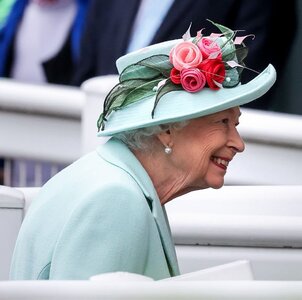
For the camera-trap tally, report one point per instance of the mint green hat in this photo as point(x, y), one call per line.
point(179, 80)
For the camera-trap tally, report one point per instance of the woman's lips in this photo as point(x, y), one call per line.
point(220, 162)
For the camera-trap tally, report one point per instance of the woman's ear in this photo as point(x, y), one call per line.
point(165, 138)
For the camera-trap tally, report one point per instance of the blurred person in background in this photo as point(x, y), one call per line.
point(5, 7)
point(39, 43)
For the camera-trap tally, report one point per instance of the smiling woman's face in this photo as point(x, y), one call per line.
point(203, 149)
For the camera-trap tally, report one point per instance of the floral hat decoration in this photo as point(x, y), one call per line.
point(187, 78)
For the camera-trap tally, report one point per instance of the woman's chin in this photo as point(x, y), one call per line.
point(217, 184)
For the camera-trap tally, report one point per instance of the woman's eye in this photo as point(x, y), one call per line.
point(225, 121)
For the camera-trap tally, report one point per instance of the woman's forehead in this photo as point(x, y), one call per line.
point(233, 111)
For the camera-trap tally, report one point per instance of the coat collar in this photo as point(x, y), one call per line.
point(117, 153)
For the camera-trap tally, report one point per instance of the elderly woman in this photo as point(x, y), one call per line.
point(172, 119)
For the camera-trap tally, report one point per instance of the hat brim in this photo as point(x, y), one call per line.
point(178, 106)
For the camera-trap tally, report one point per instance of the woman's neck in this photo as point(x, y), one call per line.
point(167, 180)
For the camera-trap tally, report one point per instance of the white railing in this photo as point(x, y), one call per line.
point(40, 122)
point(57, 124)
point(262, 224)
point(273, 153)
point(159, 290)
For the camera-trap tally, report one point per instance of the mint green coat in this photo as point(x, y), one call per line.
point(100, 214)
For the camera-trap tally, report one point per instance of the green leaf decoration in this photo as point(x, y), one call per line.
point(227, 32)
point(159, 62)
point(143, 91)
point(137, 71)
point(148, 68)
point(125, 93)
point(137, 82)
point(229, 54)
point(100, 122)
point(241, 53)
point(116, 97)
point(169, 86)
point(113, 98)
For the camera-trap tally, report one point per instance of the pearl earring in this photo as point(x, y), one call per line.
point(168, 150)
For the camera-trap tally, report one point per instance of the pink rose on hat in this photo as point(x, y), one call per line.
point(192, 80)
point(209, 48)
point(185, 55)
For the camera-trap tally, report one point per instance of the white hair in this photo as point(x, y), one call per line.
point(143, 138)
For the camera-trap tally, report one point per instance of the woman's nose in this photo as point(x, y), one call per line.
point(236, 142)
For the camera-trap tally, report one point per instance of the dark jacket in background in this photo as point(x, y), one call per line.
point(60, 68)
